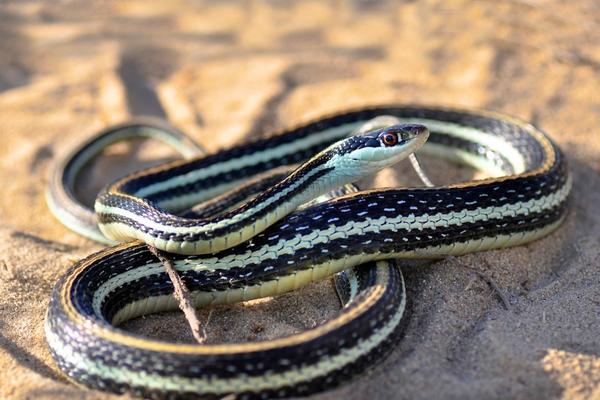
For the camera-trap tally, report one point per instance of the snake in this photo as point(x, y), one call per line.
point(234, 238)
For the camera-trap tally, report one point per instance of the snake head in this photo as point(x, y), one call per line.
point(386, 145)
point(368, 152)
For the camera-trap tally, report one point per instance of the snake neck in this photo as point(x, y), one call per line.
point(119, 211)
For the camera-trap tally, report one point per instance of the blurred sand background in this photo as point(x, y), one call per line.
point(229, 71)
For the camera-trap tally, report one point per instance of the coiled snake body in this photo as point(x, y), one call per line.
point(266, 246)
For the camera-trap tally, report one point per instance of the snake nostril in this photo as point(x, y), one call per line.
point(418, 130)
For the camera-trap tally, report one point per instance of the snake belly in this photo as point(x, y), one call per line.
point(525, 199)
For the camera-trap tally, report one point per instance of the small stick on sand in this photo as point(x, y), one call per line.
point(486, 279)
point(182, 295)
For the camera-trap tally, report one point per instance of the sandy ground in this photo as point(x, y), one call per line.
point(225, 73)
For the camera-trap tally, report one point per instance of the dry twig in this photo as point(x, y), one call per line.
point(182, 295)
point(499, 292)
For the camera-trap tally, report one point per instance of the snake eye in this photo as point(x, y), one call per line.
point(389, 139)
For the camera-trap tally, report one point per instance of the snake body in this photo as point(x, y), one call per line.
point(61, 197)
point(525, 199)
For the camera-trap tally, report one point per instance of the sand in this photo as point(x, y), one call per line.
point(237, 70)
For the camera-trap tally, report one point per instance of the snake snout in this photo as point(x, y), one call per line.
point(411, 131)
point(419, 130)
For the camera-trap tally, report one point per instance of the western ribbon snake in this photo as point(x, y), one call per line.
point(231, 249)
